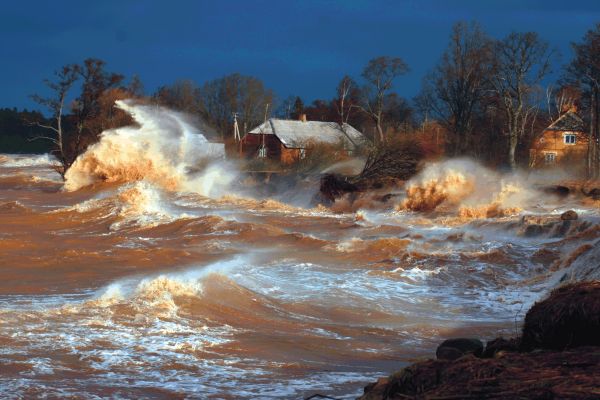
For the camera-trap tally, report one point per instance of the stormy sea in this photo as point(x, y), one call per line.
point(152, 272)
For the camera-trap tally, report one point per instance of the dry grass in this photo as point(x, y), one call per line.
point(573, 374)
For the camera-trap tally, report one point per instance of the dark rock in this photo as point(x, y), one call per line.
point(452, 349)
point(593, 193)
point(569, 317)
point(561, 229)
point(387, 197)
point(334, 186)
point(569, 216)
point(376, 389)
point(448, 353)
point(533, 230)
point(557, 190)
point(498, 345)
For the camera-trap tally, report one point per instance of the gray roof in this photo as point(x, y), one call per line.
point(570, 121)
point(298, 134)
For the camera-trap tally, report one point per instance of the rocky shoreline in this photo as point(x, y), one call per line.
point(556, 357)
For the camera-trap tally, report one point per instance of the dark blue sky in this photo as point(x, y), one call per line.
point(295, 47)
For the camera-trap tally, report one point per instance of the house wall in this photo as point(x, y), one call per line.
point(275, 149)
point(572, 156)
point(289, 156)
point(251, 143)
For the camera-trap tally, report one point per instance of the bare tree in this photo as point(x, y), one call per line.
point(456, 88)
point(346, 99)
point(584, 72)
point(244, 95)
point(560, 100)
point(521, 61)
point(183, 95)
point(95, 81)
point(65, 78)
point(136, 86)
point(380, 73)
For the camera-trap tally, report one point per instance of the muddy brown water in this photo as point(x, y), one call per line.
point(128, 291)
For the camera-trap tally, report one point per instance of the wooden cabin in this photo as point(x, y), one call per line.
point(289, 141)
point(564, 143)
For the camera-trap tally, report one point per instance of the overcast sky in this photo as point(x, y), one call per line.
point(296, 47)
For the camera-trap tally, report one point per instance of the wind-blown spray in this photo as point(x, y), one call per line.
point(469, 188)
point(163, 149)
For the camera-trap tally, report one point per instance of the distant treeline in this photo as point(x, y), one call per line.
point(486, 98)
point(16, 134)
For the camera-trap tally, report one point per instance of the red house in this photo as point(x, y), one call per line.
point(564, 143)
point(288, 141)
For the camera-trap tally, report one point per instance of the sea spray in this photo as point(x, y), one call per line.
point(467, 187)
point(163, 149)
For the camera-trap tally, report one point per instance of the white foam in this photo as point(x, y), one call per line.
point(164, 149)
point(27, 160)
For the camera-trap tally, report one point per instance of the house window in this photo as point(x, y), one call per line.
point(302, 154)
point(570, 138)
point(262, 152)
point(550, 158)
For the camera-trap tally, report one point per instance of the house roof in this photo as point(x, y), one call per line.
point(570, 121)
point(298, 134)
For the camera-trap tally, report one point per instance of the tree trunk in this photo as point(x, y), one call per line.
point(594, 144)
point(593, 164)
point(512, 150)
point(380, 131)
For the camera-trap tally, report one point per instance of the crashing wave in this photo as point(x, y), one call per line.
point(163, 149)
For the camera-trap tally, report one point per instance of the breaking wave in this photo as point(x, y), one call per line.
point(163, 149)
point(467, 187)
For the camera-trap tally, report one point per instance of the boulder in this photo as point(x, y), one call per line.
point(569, 216)
point(533, 230)
point(569, 317)
point(498, 345)
point(452, 349)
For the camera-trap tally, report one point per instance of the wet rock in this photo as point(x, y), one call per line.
point(593, 193)
point(561, 229)
point(452, 349)
point(557, 190)
point(569, 317)
point(376, 390)
point(387, 197)
point(448, 353)
point(499, 346)
point(334, 186)
point(533, 230)
point(569, 216)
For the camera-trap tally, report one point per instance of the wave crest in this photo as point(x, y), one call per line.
point(163, 149)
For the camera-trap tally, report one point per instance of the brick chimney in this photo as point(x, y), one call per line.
point(302, 118)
